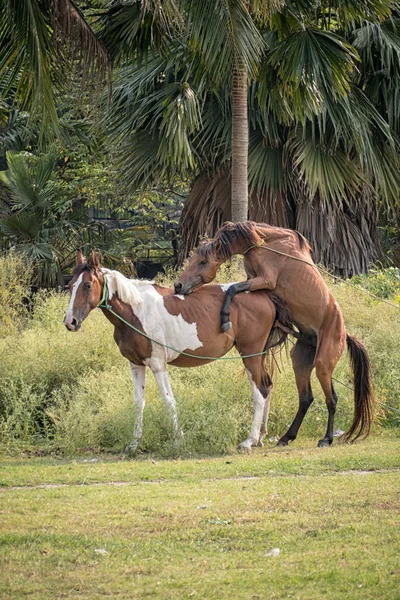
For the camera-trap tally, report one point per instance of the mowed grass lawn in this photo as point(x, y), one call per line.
point(205, 528)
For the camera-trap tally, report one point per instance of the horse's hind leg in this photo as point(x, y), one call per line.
point(302, 355)
point(261, 387)
point(264, 422)
point(324, 365)
point(330, 348)
point(331, 401)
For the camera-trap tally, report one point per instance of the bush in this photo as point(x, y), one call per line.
point(15, 283)
point(73, 391)
point(384, 283)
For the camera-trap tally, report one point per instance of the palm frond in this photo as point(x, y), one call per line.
point(30, 60)
point(29, 187)
point(134, 29)
point(25, 53)
point(267, 169)
point(355, 11)
point(331, 175)
point(67, 19)
point(316, 64)
point(224, 34)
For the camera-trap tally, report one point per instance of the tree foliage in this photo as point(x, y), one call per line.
point(323, 108)
point(323, 150)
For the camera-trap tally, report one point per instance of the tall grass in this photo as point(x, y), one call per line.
point(15, 280)
point(63, 391)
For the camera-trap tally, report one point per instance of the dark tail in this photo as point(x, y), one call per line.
point(278, 335)
point(363, 395)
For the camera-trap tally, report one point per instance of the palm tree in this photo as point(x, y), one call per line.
point(231, 45)
point(222, 35)
point(224, 32)
point(322, 146)
point(323, 154)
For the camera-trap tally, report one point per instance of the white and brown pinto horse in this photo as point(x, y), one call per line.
point(188, 324)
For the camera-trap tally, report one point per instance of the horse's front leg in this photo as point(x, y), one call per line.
point(139, 378)
point(234, 289)
point(251, 285)
point(164, 385)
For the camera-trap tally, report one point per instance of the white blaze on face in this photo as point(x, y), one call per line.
point(70, 311)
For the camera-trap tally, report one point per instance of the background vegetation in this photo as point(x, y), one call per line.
point(64, 392)
point(322, 83)
point(80, 170)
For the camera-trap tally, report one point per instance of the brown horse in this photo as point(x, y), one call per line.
point(280, 260)
point(188, 330)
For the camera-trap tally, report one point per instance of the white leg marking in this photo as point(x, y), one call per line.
point(70, 311)
point(264, 424)
point(138, 377)
point(259, 404)
point(164, 386)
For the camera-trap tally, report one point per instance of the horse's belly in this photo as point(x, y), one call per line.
point(213, 349)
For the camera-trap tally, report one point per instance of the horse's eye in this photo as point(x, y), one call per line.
point(203, 262)
point(88, 286)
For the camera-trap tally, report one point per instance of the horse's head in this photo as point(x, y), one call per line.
point(202, 268)
point(86, 289)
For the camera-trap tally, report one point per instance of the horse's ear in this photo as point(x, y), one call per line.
point(80, 259)
point(94, 260)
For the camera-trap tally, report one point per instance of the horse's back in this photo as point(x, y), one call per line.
point(252, 314)
point(252, 317)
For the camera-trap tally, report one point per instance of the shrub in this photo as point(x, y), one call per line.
point(384, 283)
point(15, 282)
point(74, 390)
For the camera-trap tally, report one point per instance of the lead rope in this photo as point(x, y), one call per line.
point(107, 306)
point(323, 270)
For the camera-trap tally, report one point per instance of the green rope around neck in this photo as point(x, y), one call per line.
point(105, 305)
point(322, 269)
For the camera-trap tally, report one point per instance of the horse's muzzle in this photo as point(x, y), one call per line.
point(72, 324)
point(178, 288)
point(187, 288)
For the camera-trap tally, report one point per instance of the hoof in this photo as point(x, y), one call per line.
point(283, 442)
point(245, 446)
point(324, 443)
point(260, 444)
point(226, 326)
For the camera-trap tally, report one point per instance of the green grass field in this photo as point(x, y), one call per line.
point(208, 528)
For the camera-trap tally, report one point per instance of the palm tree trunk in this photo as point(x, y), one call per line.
point(240, 145)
